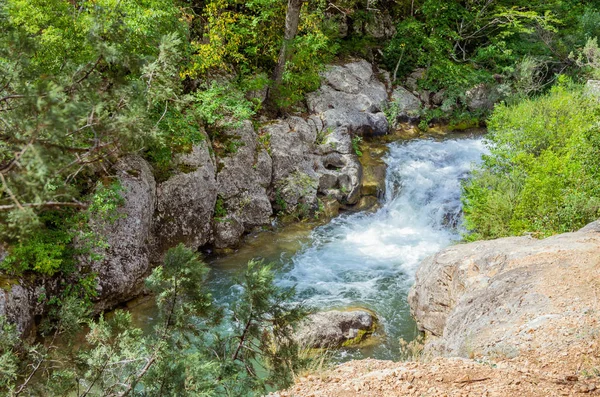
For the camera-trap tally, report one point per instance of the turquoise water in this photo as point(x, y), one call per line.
point(370, 259)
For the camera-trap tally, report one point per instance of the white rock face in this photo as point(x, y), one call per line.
point(509, 296)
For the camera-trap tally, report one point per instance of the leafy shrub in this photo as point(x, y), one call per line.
point(540, 177)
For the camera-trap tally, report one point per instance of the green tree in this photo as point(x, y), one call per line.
point(540, 177)
point(196, 348)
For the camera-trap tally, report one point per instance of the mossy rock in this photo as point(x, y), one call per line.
point(337, 328)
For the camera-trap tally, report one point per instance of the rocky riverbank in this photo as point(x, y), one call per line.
point(227, 187)
point(509, 317)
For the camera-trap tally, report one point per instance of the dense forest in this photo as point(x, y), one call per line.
point(84, 83)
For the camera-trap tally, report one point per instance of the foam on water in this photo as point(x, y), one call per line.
point(369, 260)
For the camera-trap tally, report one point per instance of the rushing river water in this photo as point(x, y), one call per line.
point(370, 259)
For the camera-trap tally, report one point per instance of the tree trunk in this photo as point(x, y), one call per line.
point(292, 19)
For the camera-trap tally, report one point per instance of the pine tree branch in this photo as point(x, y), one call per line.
point(49, 204)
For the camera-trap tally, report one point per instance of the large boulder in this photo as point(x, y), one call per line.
point(351, 96)
point(243, 183)
point(126, 261)
point(186, 201)
point(511, 297)
point(335, 328)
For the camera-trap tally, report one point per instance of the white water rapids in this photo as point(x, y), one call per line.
point(370, 259)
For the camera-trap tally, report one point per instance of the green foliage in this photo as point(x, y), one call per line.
point(588, 58)
point(9, 360)
point(222, 105)
point(220, 210)
point(311, 50)
point(458, 45)
point(194, 349)
point(540, 177)
point(322, 135)
point(265, 141)
point(49, 248)
point(79, 88)
point(356, 141)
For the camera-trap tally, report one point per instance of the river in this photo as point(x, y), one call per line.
point(369, 259)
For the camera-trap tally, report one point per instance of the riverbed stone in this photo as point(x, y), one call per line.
point(336, 328)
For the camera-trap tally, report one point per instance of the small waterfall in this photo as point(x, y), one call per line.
point(369, 259)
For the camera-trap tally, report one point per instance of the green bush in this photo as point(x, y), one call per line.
point(541, 176)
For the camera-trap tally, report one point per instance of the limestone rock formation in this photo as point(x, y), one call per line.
point(351, 96)
point(186, 201)
point(242, 187)
point(336, 328)
point(126, 261)
point(510, 297)
point(406, 106)
point(309, 160)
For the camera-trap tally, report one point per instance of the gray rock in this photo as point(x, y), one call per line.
point(485, 298)
point(336, 328)
point(351, 97)
point(18, 305)
point(186, 201)
point(382, 26)
point(439, 97)
point(126, 261)
point(357, 123)
point(480, 97)
point(412, 81)
point(592, 88)
point(303, 169)
point(243, 183)
point(405, 105)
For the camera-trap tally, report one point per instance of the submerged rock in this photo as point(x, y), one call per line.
point(336, 328)
point(510, 297)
